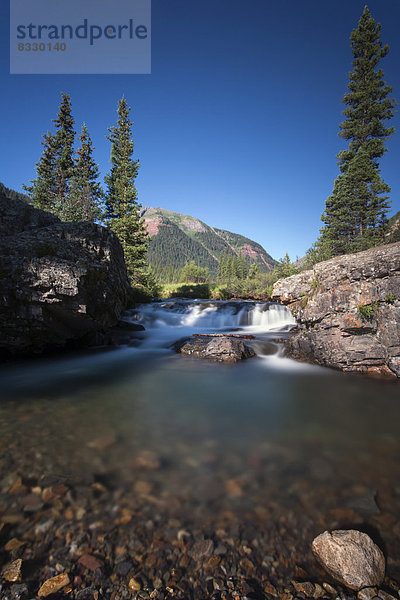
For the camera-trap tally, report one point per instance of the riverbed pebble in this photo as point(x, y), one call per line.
point(350, 557)
point(367, 593)
point(53, 585)
point(184, 515)
point(12, 570)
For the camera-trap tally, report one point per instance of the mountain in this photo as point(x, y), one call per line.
point(177, 239)
point(393, 234)
point(9, 193)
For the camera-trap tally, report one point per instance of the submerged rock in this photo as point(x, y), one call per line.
point(348, 312)
point(59, 282)
point(202, 549)
point(219, 349)
point(350, 557)
point(367, 593)
point(124, 332)
point(12, 571)
point(53, 585)
point(129, 326)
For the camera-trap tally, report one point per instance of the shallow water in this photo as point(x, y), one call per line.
point(268, 440)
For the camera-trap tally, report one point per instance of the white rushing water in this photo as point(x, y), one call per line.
point(169, 321)
point(253, 316)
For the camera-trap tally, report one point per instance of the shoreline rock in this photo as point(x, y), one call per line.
point(348, 312)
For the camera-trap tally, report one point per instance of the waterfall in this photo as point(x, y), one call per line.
point(205, 315)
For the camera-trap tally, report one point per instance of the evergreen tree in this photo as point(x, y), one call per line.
point(122, 208)
point(339, 217)
point(319, 251)
point(254, 271)
point(225, 268)
point(356, 210)
point(230, 268)
point(63, 161)
point(285, 268)
point(241, 266)
point(191, 273)
point(367, 99)
point(42, 189)
point(222, 267)
point(50, 189)
point(86, 192)
point(151, 282)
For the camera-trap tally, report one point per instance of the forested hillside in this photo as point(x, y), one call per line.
point(394, 228)
point(177, 239)
point(9, 193)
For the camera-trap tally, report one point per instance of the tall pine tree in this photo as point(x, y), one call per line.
point(64, 159)
point(86, 192)
point(367, 99)
point(222, 267)
point(254, 271)
point(241, 266)
point(357, 208)
point(122, 208)
point(50, 190)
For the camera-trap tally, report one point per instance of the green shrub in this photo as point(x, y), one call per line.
point(368, 311)
point(315, 284)
point(189, 290)
point(220, 292)
point(195, 290)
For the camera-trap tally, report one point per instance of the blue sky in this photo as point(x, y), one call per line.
point(238, 122)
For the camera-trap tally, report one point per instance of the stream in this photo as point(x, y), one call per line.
point(151, 446)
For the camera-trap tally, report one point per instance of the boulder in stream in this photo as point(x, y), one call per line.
point(218, 349)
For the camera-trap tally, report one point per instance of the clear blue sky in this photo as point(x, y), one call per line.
point(238, 122)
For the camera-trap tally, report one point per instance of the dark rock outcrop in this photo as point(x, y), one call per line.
point(59, 282)
point(348, 311)
point(17, 216)
point(219, 349)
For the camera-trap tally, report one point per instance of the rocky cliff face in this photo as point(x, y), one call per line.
point(59, 282)
point(348, 311)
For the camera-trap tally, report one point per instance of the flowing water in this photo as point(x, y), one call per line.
point(268, 451)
